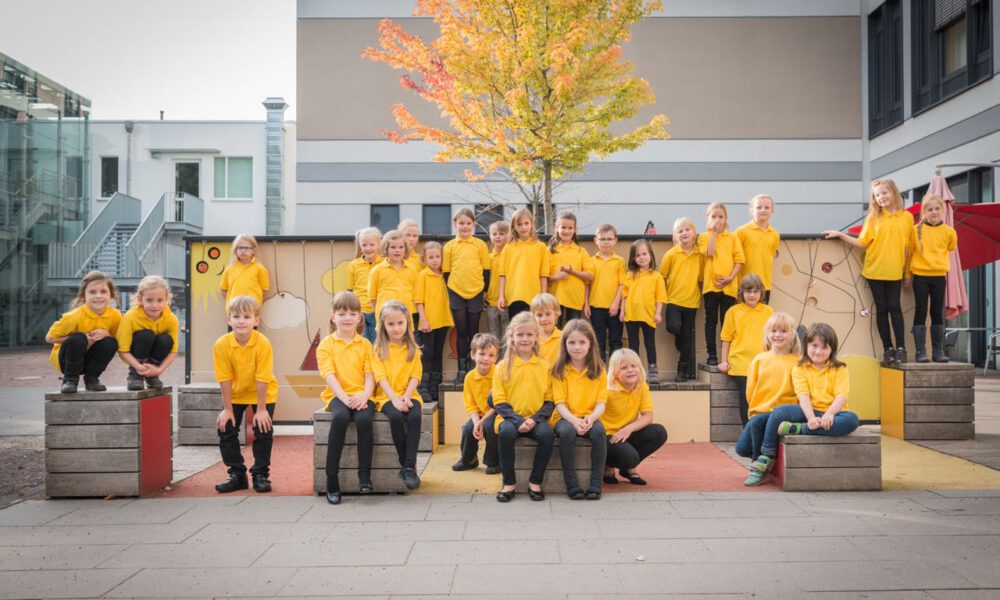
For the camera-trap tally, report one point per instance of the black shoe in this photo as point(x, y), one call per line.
point(633, 478)
point(366, 488)
point(503, 496)
point(575, 493)
point(410, 478)
point(713, 360)
point(901, 355)
point(154, 383)
point(536, 496)
point(592, 494)
point(135, 382)
point(236, 481)
point(69, 385)
point(889, 356)
point(261, 483)
point(333, 497)
point(610, 479)
point(93, 384)
point(492, 470)
point(461, 465)
point(682, 375)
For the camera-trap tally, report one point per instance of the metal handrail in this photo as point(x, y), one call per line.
point(145, 236)
point(189, 209)
point(119, 209)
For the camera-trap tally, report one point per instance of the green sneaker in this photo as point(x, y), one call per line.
point(763, 464)
point(789, 428)
point(754, 478)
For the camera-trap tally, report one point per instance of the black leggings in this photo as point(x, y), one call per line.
point(229, 444)
point(932, 287)
point(405, 429)
point(608, 329)
point(542, 433)
point(465, 312)
point(716, 306)
point(648, 335)
point(741, 389)
point(148, 345)
point(517, 307)
point(598, 453)
point(75, 358)
point(338, 435)
point(886, 295)
point(567, 314)
point(432, 346)
point(680, 322)
point(627, 455)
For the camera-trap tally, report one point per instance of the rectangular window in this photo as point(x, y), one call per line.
point(234, 177)
point(952, 48)
point(109, 176)
point(436, 219)
point(885, 67)
point(384, 216)
point(486, 215)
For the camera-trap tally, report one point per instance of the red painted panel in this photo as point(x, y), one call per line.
point(778, 472)
point(156, 448)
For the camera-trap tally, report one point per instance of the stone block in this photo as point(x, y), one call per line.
point(200, 401)
point(725, 433)
point(824, 463)
point(91, 412)
point(939, 431)
point(92, 461)
point(91, 485)
point(945, 413)
point(833, 455)
point(949, 396)
point(833, 480)
point(724, 398)
point(726, 416)
point(91, 436)
point(197, 418)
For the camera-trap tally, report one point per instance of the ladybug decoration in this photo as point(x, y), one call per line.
point(827, 267)
point(202, 266)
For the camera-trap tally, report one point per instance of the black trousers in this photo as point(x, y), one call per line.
point(598, 453)
point(517, 307)
point(76, 359)
point(466, 313)
point(716, 306)
point(887, 309)
point(229, 444)
point(608, 329)
point(567, 314)
point(741, 389)
point(405, 428)
point(680, 323)
point(432, 348)
point(542, 433)
point(628, 454)
point(925, 288)
point(338, 435)
point(148, 345)
point(470, 445)
point(767, 297)
point(648, 338)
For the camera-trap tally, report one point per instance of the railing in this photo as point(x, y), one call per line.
point(119, 209)
point(67, 260)
point(188, 209)
point(141, 241)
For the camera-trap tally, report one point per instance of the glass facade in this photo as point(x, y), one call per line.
point(44, 194)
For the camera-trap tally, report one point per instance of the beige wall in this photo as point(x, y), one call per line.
point(724, 78)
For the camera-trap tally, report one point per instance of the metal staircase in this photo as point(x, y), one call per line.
point(110, 256)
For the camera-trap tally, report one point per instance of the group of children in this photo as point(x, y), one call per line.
point(388, 332)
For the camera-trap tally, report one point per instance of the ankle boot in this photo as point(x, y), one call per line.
point(652, 377)
point(463, 369)
point(92, 383)
point(423, 388)
point(69, 385)
point(261, 484)
point(433, 386)
point(135, 382)
point(937, 344)
point(153, 382)
point(236, 481)
point(920, 340)
point(682, 369)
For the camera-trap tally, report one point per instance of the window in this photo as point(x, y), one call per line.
point(952, 48)
point(486, 215)
point(109, 176)
point(885, 67)
point(234, 177)
point(436, 219)
point(187, 178)
point(384, 216)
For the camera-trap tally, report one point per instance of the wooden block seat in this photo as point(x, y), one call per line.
point(524, 453)
point(385, 461)
point(113, 443)
point(198, 406)
point(937, 401)
point(724, 400)
point(809, 463)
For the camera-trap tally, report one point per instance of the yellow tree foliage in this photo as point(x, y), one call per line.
point(529, 86)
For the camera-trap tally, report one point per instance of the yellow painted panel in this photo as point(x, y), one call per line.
point(434, 430)
point(865, 388)
point(454, 416)
point(907, 466)
point(892, 402)
point(685, 414)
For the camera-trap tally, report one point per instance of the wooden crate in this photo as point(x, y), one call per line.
point(825, 463)
point(929, 401)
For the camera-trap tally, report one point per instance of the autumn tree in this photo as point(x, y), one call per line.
point(531, 87)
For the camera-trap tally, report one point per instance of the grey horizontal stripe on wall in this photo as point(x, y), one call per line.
point(953, 136)
point(625, 171)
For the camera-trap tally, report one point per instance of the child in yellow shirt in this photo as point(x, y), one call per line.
point(393, 278)
point(931, 243)
point(743, 335)
point(244, 368)
point(396, 369)
point(545, 309)
point(524, 265)
point(148, 334)
point(482, 417)
point(411, 233)
point(496, 317)
point(366, 243)
point(723, 260)
point(628, 419)
point(83, 339)
point(431, 298)
point(571, 270)
point(345, 363)
point(245, 275)
point(681, 267)
point(644, 295)
point(466, 267)
point(760, 242)
point(605, 299)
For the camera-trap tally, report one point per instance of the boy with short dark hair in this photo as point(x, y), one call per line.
point(475, 393)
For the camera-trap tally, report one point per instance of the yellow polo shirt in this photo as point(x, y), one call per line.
point(527, 389)
point(386, 282)
point(759, 248)
point(930, 252)
point(682, 270)
point(432, 293)
point(466, 260)
point(493, 292)
point(822, 385)
point(769, 382)
point(728, 253)
point(885, 239)
point(578, 392)
point(414, 261)
point(476, 391)
point(642, 290)
point(743, 328)
point(357, 280)
point(609, 273)
point(245, 366)
point(349, 362)
point(82, 320)
point(523, 264)
point(548, 348)
point(398, 371)
point(136, 320)
point(245, 280)
point(624, 406)
point(570, 291)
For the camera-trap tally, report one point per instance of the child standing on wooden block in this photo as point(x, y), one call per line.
point(147, 337)
point(760, 242)
point(482, 417)
point(545, 309)
point(244, 368)
point(244, 275)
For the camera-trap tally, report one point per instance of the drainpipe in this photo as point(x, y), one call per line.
point(273, 152)
point(129, 126)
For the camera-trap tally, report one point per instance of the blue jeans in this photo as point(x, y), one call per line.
point(844, 423)
point(752, 437)
point(370, 330)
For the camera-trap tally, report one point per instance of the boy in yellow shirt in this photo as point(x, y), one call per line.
point(760, 242)
point(482, 417)
point(244, 368)
point(606, 292)
point(545, 309)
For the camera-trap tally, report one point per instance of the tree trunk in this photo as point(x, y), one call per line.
point(547, 207)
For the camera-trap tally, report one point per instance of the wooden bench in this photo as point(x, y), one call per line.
point(812, 463)
point(385, 460)
point(198, 406)
point(725, 425)
point(113, 443)
point(553, 483)
point(929, 401)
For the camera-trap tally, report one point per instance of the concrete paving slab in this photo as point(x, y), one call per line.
point(781, 549)
point(566, 579)
point(662, 597)
point(760, 508)
point(867, 595)
point(636, 509)
point(709, 578)
point(395, 531)
point(887, 575)
point(34, 512)
point(965, 506)
point(274, 533)
point(476, 597)
point(529, 530)
point(339, 554)
point(186, 583)
point(74, 583)
point(520, 509)
point(982, 573)
point(494, 552)
point(968, 493)
point(361, 581)
point(282, 509)
point(596, 551)
point(817, 526)
point(172, 533)
point(860, 505)
point(930, 547)
point(932, 524)
point(357, 508)
point(667, 528)
point(144, 511)
point(986, 594)
point(189, 555)
point(30, 558)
